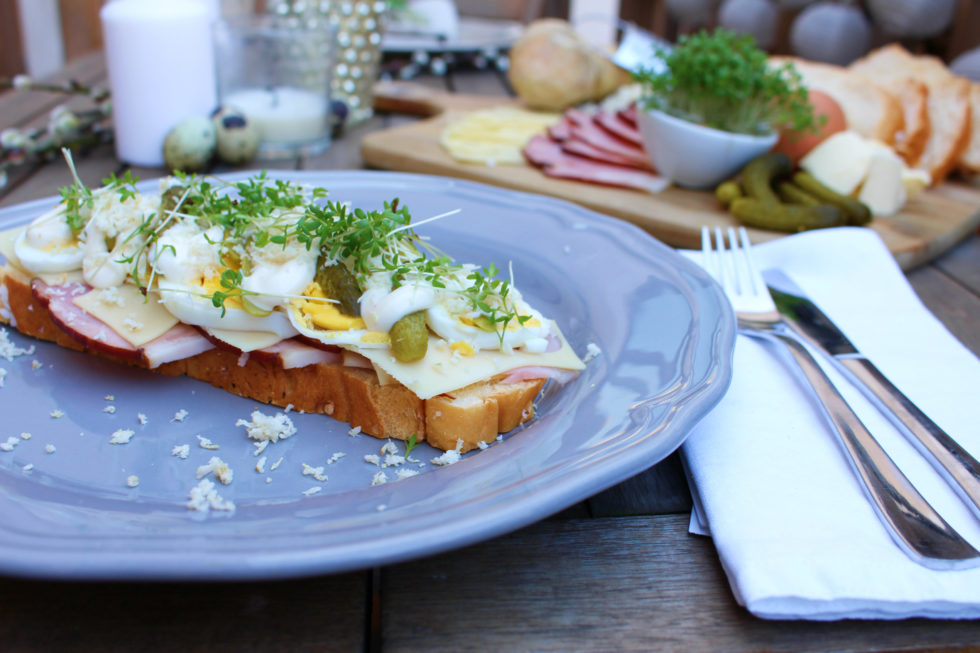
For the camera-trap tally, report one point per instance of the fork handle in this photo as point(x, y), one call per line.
point(914, 525)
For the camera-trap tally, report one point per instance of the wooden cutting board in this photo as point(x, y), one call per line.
point(927, 226)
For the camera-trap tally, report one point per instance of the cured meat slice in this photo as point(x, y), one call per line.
point(583, 148)
point(555, 162)
point(180, 342)
point(561, 131)
point(292, 353)
point(90, 331)
point(586, 129)
point(618, 126)
point(537, 372)
point(629, 115)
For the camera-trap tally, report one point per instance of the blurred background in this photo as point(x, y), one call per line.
point(40, 36)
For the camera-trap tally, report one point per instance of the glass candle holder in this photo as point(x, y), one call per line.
point(278, 72)
point(360, 27)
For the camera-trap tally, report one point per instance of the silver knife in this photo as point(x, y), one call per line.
point(960, 470)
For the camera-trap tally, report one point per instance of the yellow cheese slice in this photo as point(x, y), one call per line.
point(494, 136)
point(246, 340)
point(444, 369)
point(136, 318)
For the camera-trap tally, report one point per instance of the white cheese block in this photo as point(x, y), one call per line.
point(246, 340)
point(840, 162)
point(882, 191)
point(136, 318)
point(443, 369)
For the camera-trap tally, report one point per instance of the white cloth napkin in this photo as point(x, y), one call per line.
point(796, 536)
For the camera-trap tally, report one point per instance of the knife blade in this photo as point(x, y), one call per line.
point(957, 467)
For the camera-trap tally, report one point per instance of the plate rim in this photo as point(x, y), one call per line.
point(398, 547)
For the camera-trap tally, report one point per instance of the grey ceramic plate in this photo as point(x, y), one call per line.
point(666, 338)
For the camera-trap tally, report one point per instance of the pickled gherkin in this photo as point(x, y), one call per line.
point(337, 282)
point(409, 337)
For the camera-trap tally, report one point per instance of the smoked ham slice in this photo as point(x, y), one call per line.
point(548, 155)
point(89, 331)
point(584, 127)
point(180, 342)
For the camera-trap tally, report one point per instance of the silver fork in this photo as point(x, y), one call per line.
point(913, 524)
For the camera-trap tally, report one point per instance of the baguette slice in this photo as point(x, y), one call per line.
point(461, 420)
point(970, 160)
point(948, 104)
point(868, 109)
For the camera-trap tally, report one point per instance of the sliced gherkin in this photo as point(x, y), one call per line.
point(337, 282)
point(409, 337)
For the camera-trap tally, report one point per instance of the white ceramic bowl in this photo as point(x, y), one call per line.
point(695, 156)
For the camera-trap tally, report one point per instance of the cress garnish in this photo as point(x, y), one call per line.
point(263, 212)
point(723, 80)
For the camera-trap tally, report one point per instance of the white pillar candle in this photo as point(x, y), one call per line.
point(161, 71)
point(283, 114)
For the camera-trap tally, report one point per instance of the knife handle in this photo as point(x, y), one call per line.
point(913, 524)
point(955, 464)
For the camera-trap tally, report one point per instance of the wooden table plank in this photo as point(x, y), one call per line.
point(317, 614)
point(19, 107)
point(637, 583)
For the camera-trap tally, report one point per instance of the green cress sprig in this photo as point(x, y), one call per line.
point(270, 212)
point(723, 80)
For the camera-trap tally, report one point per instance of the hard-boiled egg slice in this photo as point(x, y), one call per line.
point(48, 245)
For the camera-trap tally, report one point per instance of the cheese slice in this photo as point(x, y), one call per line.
point(841, 162)
point(137, 319)
point(883, 191)
point(246, 340)
point(443, 370)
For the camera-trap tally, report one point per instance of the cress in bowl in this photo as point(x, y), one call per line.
point(713, 102)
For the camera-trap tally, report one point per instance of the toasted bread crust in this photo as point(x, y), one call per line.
point(348, 394)
point(869, 109)
point(947, 103)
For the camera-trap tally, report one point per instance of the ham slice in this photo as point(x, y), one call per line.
point(629, 115)
point(585, 128)
point(526, 373)
point(180, 342)
point(561, 131)
point(293, 353)
point(618, 126)
point(589, 151)
point(548, 155)
point(90, 331)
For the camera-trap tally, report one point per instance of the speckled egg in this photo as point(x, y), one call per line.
point(190, 145)
point(238, 138)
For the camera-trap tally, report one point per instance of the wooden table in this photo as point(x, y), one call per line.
point(618, 571)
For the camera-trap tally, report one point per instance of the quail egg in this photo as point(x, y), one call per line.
point(190, 145)
point(238, 138)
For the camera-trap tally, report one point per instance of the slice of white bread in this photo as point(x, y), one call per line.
point(948, 103)
point(461, 420)
point(911, 140)
point(869, 110)
point(970, 160)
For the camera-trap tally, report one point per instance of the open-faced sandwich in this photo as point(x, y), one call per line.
point(268, 290)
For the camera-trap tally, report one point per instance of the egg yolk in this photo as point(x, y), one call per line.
point(326, 315)
point(213, 285)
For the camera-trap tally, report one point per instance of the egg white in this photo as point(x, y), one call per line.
point(186, 259)
point(49, 246)
point(450, 327)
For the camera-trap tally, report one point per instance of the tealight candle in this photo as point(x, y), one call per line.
point(283, 114)
point(277, 72)
point(160, 62)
